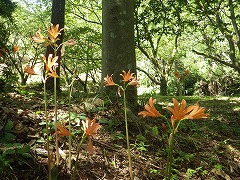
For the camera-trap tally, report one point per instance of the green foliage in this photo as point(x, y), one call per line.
point(155, 171)
point(6, 8)
point(84, 26)
point(191, 172)
point(111, 124)
point(7, 135)
point(11, 153)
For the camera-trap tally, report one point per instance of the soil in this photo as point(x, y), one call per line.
point(201, 156)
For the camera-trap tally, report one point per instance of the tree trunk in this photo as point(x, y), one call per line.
point(163, 86)
point(58, 8)
point(118, 47)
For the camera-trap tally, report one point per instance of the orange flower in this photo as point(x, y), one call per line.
point(150, 109)
point(3, 52)
point(30, 70)
point(187, 72)
point(53, 74)
point(181, 112)
point(198, 112)
point(108, 81)
point(54, 31)
point(38, 37)
point(127, 76)
point(70, 42)
point(164, 127)
point(16, 48)
point(191, 112)
point(90, 128)
point(177, 75)
point(51, 62)
point(61, 130)
point(134, 82)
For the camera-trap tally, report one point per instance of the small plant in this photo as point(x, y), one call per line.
point(178, 115)
point(129, 79)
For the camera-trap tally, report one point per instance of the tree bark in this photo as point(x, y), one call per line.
point(58, 9)
point(163, 86)
point(118, 47)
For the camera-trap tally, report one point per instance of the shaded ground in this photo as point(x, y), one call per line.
point(204, 149)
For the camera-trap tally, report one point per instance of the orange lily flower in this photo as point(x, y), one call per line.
point(90, 129)
point(38, 37)
point(30, 70)
point(181, 112)
point(187, 72)
point(61, 130)
point(191, 112)
point(177, 75)
point(150, 109)
point(51, 62)
point(53, 74)
point(134, 82)
point(3, 51)
point(198, 112)
point(108, 81)
point(70, 42)
point(54, 31)
point(127, 76)
point(16, 48)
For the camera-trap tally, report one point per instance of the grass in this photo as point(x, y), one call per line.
point(202, 146)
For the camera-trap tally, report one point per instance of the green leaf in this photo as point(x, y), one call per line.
point(27, 155)
point(7, 138)
point(141, 137)
point(8, 126)
point(97, 109)
point(10, 151)
point(24, 149)
point(154, 131)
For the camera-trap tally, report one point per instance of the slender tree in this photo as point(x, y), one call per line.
point(58, 7)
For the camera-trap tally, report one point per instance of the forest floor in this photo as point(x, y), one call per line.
point(204, 149)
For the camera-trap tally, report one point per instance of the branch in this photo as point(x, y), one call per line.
point(149, 76)
point(71, 72)
point(83, 18)
point(236, 67)
point(234, 23)
point(223, 30)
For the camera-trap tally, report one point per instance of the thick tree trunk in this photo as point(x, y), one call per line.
point(118, 47)
point(58, 8)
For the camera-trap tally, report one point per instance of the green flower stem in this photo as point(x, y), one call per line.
point(47, 128)
point(70, 126)
point(170, 157)
point(127, 137)
point(78, 152)
point(55, 121)
point(170, 151)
